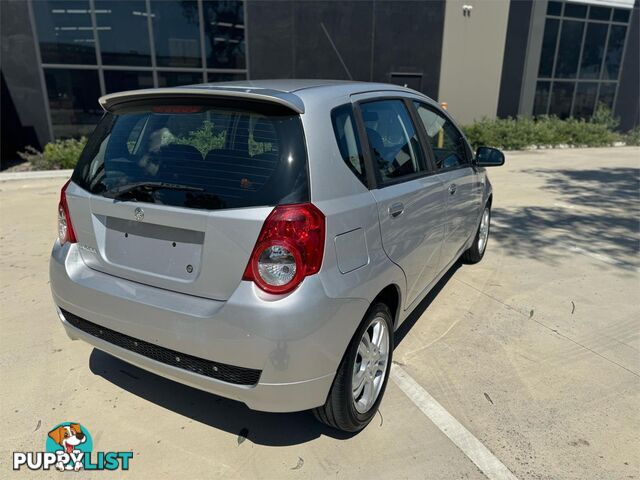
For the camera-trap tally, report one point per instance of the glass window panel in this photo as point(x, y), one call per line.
point(224, 34)
point(176, 33)
point(575, 10)
point(585, 99)
point(561, 96)
point(447, 144)
point(569, 49)
point(593, 50)
point(620, 15)
point(554, 8)
point(346, 132)
point(176, 79)
point(65, 32)
point(614, 52)
point(73, 101)
point(600, 13)
point(548, 47)
point(393, 142)
point(225, 77)
point(607, 92)
point(120, 80)
point(541, 100)
point(123, 32)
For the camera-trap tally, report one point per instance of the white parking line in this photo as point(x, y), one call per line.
point(486, 461)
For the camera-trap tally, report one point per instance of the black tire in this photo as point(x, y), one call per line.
point(474, 254)
point(339, 410)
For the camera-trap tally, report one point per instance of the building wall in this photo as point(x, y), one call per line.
point(21, 77)
point(514, 58)
point(386, 41)
point(472, 56)
point(576, 53)
point(628, 103)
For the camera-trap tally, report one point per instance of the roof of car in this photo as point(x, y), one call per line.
point(288, 92)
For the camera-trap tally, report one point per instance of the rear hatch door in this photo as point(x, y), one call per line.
point(173, 192)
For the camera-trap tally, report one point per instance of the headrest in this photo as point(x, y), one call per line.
point(263, 131)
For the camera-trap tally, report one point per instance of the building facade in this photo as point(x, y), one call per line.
point(484, 58)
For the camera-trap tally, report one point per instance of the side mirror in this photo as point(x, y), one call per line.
point(489, 157)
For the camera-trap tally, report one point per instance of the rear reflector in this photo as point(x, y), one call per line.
point(289, 248)
point(65, 227)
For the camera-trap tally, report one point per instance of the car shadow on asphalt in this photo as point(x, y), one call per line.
point(423, 306)
point(273, 429)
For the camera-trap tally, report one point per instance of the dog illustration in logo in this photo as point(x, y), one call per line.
point(68, 437)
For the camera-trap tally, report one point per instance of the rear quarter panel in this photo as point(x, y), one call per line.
point(348, 205)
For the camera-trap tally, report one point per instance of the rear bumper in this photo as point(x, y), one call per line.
point(296, 342)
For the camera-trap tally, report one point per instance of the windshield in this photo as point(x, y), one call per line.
point(197, 156)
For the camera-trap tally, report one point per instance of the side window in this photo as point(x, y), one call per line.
point(448, 144)
point(394, 144)
point(344, 127)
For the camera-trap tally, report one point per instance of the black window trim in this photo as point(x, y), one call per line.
point(373, 173)
point(468, 150)
point(365, 181)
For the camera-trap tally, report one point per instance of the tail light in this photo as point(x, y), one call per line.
point(289, 248)
point(65, 227)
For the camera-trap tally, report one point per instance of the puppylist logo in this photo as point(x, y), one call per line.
point(70, 447)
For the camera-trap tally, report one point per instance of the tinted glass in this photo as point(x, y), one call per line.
point(215, 156)
point(176, 33)
point(614, 52)
point(65, 32)
point(393, 142)
point(548, 47)
point(176, 79)
point(607, 93)
point(561, 96)
point(123, 32)
point(585, 99)
point(593, 50)
point(120, 80)
point(541, 100)
point(224, 34)
point(569, 49)
point(600, 13)
point(73, 101)
point(575, 10)
point(620, 15)
point(447, 143)
point(344, 127)
point(554, 8)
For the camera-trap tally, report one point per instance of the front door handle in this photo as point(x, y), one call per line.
point(452, 188)
point(396, 209)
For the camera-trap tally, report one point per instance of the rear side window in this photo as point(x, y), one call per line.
point(197, 156)
point(393, 142)
point(344, 127)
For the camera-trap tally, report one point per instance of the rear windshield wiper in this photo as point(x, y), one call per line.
point(118, 192)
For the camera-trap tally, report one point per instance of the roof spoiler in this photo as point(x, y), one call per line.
point(289, 100)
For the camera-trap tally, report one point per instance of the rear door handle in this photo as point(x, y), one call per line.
point(452, 188)
point(396, 209)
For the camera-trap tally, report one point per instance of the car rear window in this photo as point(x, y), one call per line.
point(197, 156)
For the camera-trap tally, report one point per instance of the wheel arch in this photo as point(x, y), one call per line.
point(391, 296)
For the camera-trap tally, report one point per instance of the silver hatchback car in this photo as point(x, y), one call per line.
point(263, 240)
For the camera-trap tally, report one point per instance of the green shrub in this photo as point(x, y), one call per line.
point(58, 155)
point(632, 137)
point(545, 131)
